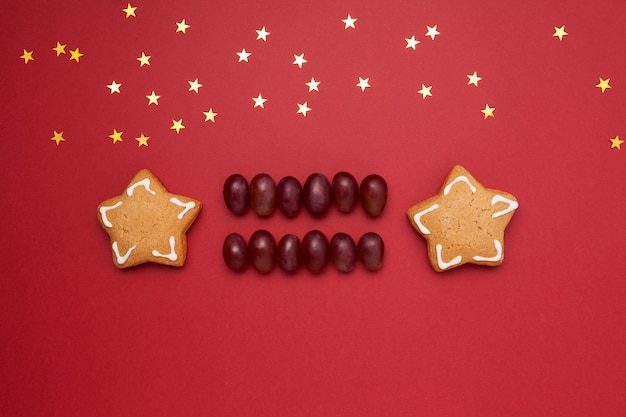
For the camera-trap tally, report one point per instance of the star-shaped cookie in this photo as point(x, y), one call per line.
point(146, 223)
point(464, 223)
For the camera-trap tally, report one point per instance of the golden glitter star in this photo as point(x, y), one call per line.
point(432, 32)
point(259, 101)
point(262, 34)
point(349, 22)
point(313, 85)
point(58, 137)
point(182, 26)
point(473, 79)
point(143, 140)
point(75, 55)
point(363, 83)
point(616, 142)
point(144, 59)
point(559, 32)
point(130, 11)
point(114, 87)
point(60, 48)
point(177, 125)
point(153, 98)
point(194, 85)
point(425, 91)
point(604, 84)
point(209, 115)
point(303, 108)
point(116, 136)
point(488, 111)
point(27, 56)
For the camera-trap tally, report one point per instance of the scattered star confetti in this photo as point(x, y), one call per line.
point(116, 136)
point(209, 115)
point(143, 140)
point(153, 98)
point(432, 32)
point(75, 55)
point(58, 137)
point(313, 85)
point(262, 34)
point(349, 22)
point(488, 111)
point(177, 125)
point(243, 55)
point(27, 56)
point(60, 48)
point(194, 85)
point(182, 26)
point(411, 42)
point(144, 59)
point(604, 84)
point(363, 83)
point(259, 101)
point(303, 108)
point(425, 91)
point(616, 142)
point(130, 11)
point(114, 87)
point(559, 32)
point(299, 60)
point(473, 79)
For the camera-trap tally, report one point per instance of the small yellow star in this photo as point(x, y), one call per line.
point(60, 48)
point(209, 115)
point(194, 85)
point(27, 56)
point(75, 55)
point(144, 59)
point(616, 142)
point(114, 87)
point(488, 111)
point(58, 137)
point(143, 140)
point(425, 91)
point(604, 84)
point(559, 32)
point(182, 26)
point(177, 125)
point(116, 136)
point(153, 98)
point(473, 79)
point(130, 11)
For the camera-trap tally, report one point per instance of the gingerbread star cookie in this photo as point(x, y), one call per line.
point(464, 223)
point(146, 223)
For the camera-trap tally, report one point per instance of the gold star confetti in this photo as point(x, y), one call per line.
point(262, 34)
point(153, 99)
point(349, 22)
point(27, 56)
point(114, 87)
point(60, 48)
point(58, 137)
point(194, 85)
point(425, 91)
point(143, 140)
point(473, 79)
point(559, 32)
point(259, 101)
point(209, 115)
point(116, 136)
point(299, 60)
point(243, 55)
point(144, 59)
point(75, 55)
point(604, 84)
point(182, 26)
point(488, 111)
point(616, 142)
point(411, 42)
point(130, 11)
point(177, 125)
point(432, 32)
point(313, 85)
point(363, 83)
point(303, 108)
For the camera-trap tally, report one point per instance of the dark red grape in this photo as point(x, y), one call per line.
point(237, 194)
point(263, 195)
point(315, 251)
point(345, 192)
point(262, 251)
point(288, 253)
point(289, 196)
point(343, 252)
point(371, 250)
point(235, 252)
point(316, 194)
point(373, 194)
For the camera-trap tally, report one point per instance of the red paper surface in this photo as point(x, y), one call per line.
point(543, 334)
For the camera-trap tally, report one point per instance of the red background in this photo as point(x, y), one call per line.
point(543, 334)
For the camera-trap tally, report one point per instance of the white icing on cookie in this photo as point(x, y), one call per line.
point(462, 178)
point(187, 206)
point(171, 256)
point(445, 265)
point(103, 213)
point(121, 259)
point(418, 217)
point(513, 205)
point(143, 183)
point(497, 257)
